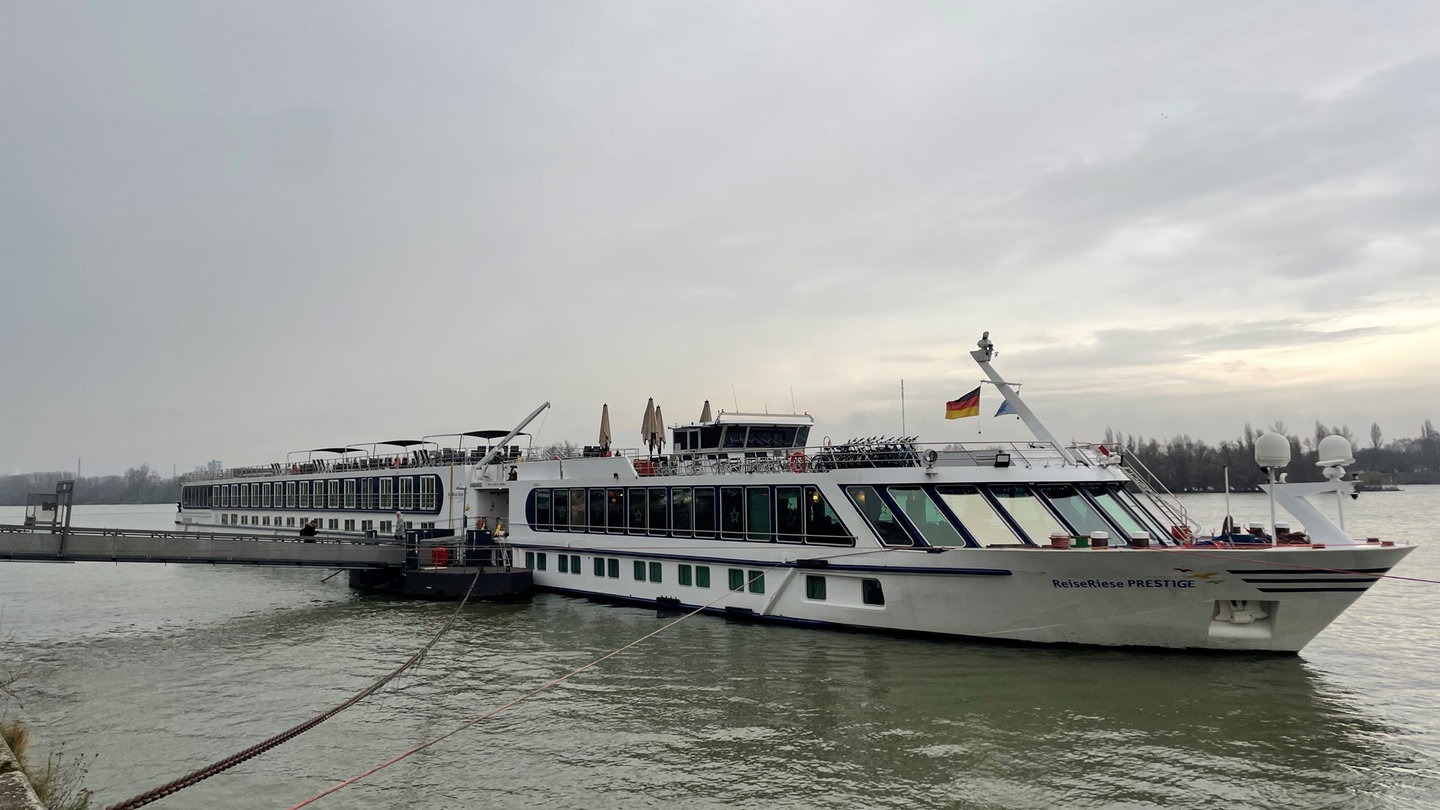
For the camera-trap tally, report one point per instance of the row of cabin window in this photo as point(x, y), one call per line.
point(335, 524)
point(999, 514)
point(787, 514)
point(698, 576)
point(349, 493)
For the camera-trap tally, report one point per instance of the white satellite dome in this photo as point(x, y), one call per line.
point(1272, 450)
point(1334, 451)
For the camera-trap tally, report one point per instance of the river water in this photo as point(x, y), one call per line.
point(153, 671)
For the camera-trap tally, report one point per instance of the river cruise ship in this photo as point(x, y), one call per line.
point(748, 516)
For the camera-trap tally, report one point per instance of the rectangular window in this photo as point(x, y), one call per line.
point(427, 494)
point(871, 593)
point(683, 574)
point(289, 494)
point(350, 525)
point(612, 568)
point(597, 510)
point(977, 515)
point(635, 510)
point(655, 571)
point(815, 588)
point(244, 520)
point(737, 579)
point(599, 566)
point(387, 495)
point(574, 563)
point(577, 509)
point(224, 519)
point(757, 581)
point(367, 493)
point(639, 571)
point(681, 511)
point(350, 493)
point(757, 501)
point(1026, 510)
point(215, 497)
point(732, 513)
point(530, 560)
point(385, 529)
point(540, 561)
point(615, 510)
point(407, 494)
point(333, 487)
point(542, 509)
point(560, 504)
point(265, 521)
point(304, 502)
point(702, 576)
point(564, 563)
point(659, 498)
point(789, 515)
point(265, 495)
point(244, 496)
point(334, 524)
point(704, 512)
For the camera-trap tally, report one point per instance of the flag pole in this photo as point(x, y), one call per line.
point(902, 406)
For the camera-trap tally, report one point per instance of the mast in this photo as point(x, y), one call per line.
point(480, 465)
point(982, 357)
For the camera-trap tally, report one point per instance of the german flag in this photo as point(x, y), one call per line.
point(968, 405)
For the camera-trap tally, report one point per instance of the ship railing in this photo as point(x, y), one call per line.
point(430, 457)
point(860, 454)
point(1159, 496)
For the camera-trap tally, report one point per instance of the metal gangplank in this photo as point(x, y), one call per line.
point(75, 544)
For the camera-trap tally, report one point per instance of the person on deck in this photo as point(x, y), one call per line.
point(399, 525)
point(309, 530)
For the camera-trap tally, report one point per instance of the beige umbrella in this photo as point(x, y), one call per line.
point(605, 437)
point(659, 428)
point(705, 413)
point(647, 425)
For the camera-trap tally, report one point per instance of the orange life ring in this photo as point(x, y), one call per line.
point(798, 462)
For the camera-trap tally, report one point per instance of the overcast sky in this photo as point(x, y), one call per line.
point(233, 230)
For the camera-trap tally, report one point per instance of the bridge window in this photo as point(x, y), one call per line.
point(977, 515)
point(934, 526)
point(1074, 508)
point(877, 513)
point(1026, 510)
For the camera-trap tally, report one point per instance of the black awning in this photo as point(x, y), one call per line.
point(491, 434)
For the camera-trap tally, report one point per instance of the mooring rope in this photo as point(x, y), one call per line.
point(517, 701)
point(195, 777)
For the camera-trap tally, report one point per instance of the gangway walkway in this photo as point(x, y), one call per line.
point(44, 544)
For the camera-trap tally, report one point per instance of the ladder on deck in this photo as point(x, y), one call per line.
point(1162, 498)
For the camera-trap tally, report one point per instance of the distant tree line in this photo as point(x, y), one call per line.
point(138, 485)
point(1187, 465)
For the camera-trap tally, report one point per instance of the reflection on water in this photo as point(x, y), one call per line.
point(159, 670)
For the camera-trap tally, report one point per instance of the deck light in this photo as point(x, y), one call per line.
point(1002, 459)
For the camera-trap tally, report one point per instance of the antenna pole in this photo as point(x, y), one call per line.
point(902, 406)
